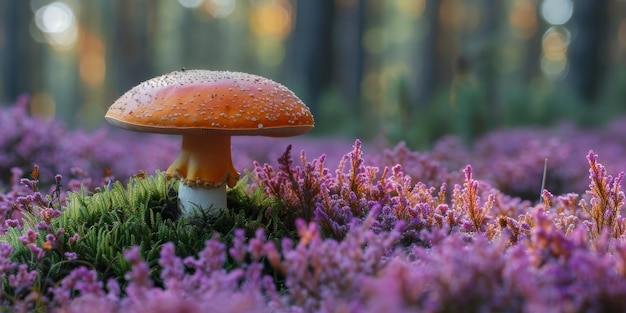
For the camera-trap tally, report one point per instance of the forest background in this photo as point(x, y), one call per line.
point(412, 70)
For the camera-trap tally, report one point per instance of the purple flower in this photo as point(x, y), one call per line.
point(5, 261)
point(72, 256)
point(12, 223)
point(139, 275)
point(23, 278)
point(74, 238)
point(29, 238)
point(238, 251)
point(172, 266)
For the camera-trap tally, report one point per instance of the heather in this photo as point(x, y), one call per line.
point(338, 227)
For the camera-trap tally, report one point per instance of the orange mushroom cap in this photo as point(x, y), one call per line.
point(196, 102)
point(208, 107)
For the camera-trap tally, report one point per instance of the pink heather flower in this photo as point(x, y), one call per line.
point(23, 278)
point(72, 256)
point(12, 223)
point(164, 301)
point(256, 245)
point(238, 250)
point(172, 266)
point(272, 254)
point(139, 275)
point(113, 288)
point(30, 183)
point(30, 237)
point(42, 226)
point(52, 239)
point(38, 252)
point(81, 280)
point(74, 238)
point(5, 258)
point(211, 258)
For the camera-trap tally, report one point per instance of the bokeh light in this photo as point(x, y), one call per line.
point(56, 17)
point(190, 4)
point(42, 105)
point(91, 60)
point(557, 12)
point(412, 8)
point(58, 23)
point(220, 8)
point(555, 42)
point(523, 19)
point(554, 47)
point(271, 22)
point(554, 69)
point(271, 18)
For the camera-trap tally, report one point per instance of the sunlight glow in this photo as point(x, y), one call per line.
point(557, 12)
point(91, 60)
point(554, 69)
point(523, 19)
point(58, 23)
point(554, 47)
point(271, 19)
point(412, 8)
point(190, 4)
point(220, 8)
point(555, 42)
point(55, 17)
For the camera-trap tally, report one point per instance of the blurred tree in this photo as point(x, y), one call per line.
point(427, 72)
point(531, 68)
point(349, 53)
point(490, 57)
point(309, 59)
point(130, 46)
point(588, 52)
point(383, 62)
point(18, 59)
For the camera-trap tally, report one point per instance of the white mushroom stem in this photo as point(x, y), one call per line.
point(205, 168)
point(194, 198)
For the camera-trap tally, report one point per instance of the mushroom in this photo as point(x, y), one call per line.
point(207, 108)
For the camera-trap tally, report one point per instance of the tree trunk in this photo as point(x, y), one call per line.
point(129, 47)
point(20, 56)
point(428, 73)
point(309, 60)
point(587, 50)
point(350, 55)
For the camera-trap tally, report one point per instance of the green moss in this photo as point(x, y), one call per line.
point(143, 213)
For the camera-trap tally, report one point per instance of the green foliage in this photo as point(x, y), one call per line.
point(340, 116)
point(106, 223)
point(473, 105)
point(110, 221)
point(143, 213)
point(251, 208)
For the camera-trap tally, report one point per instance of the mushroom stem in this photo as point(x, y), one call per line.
point(205, 166)
point(194, 198)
